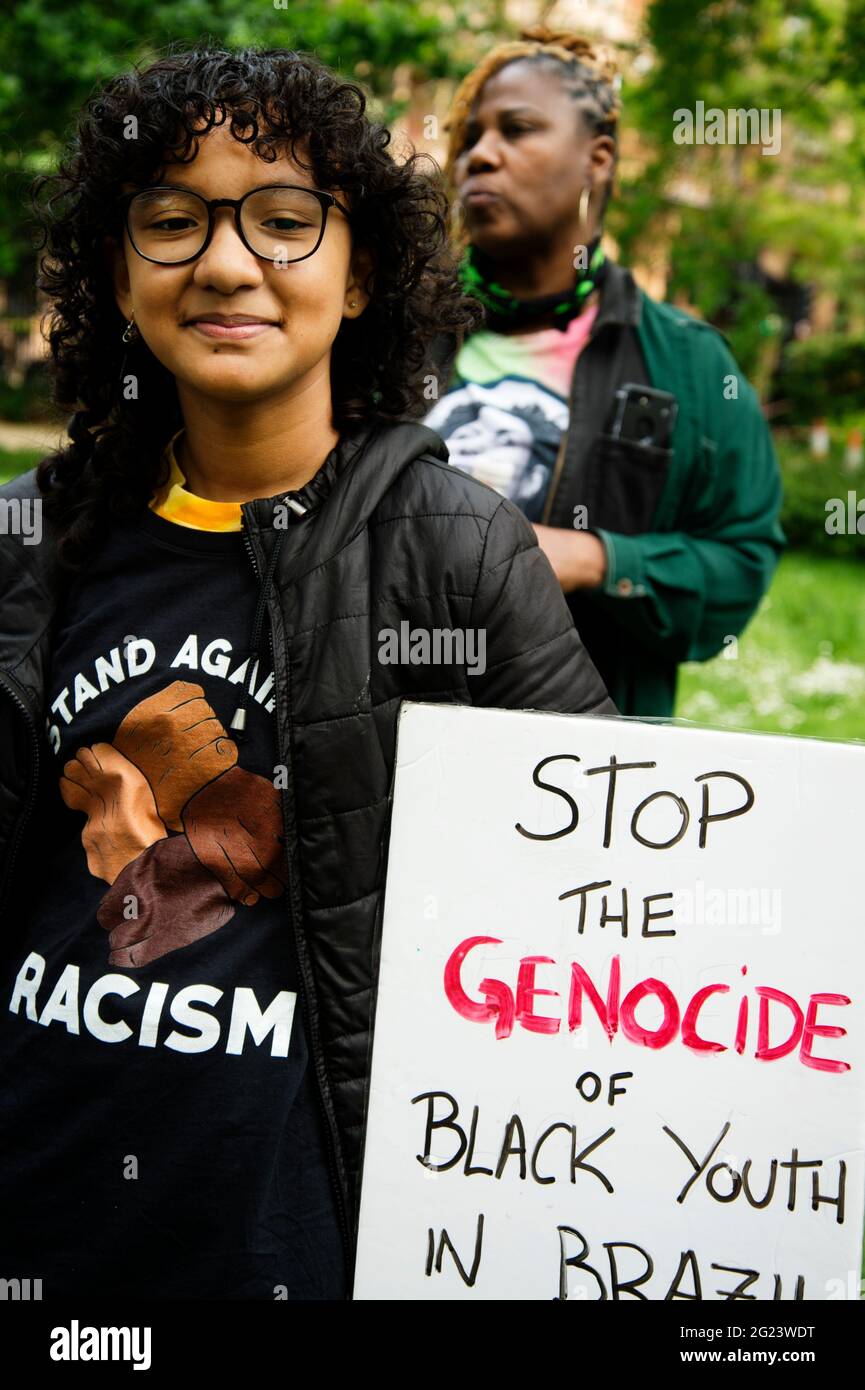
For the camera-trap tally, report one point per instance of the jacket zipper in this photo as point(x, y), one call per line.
point(31, 798)
point(336, 1185)
point(557, 473)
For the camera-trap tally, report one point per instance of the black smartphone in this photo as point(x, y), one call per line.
point(644, 416)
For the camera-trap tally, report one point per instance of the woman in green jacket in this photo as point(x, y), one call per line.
point(623, 428)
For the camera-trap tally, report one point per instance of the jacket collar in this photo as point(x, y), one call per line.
point(344, 492)
point(261, 513)
point(621, 300)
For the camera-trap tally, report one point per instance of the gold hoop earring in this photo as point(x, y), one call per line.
point(585, 200)
point(130, 332)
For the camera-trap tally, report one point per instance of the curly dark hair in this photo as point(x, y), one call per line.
point(272, 99)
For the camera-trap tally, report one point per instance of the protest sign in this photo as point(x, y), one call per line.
point(619, 1048)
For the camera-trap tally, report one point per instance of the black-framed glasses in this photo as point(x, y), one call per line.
point(282, 222)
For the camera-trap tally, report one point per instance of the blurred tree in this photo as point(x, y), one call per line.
point(717, 207)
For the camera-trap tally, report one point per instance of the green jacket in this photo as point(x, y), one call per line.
point(681, 588)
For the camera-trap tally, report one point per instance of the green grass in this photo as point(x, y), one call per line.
point(15, 461)
point(799, 666)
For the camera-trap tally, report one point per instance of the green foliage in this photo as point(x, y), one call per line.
point(823, 377)
point(708, 272)
point(809, 483)
point(31, 400)
point(805, 203)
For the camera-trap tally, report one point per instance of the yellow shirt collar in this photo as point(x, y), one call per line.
point(176, 503)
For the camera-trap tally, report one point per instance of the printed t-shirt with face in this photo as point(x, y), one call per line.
point(506, 407)
point(163, 1135)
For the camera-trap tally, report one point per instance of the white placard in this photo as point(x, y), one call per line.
point(658, 1104)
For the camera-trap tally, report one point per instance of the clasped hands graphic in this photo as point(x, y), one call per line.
point(172, 767)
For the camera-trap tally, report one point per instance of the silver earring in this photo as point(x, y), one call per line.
point(352, 304)
point(585, 199)
point(130, 332)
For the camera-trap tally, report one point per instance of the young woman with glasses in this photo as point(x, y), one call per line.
point(199, 706)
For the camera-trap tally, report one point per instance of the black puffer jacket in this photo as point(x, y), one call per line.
point(385, 533)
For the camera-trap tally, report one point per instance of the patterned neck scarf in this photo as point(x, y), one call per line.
point(504, 310)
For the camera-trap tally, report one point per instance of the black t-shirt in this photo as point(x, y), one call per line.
point(162, 1133)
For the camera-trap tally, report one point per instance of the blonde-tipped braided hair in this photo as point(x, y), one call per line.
point(587, 72)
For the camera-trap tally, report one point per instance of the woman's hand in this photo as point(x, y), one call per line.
point(578, 558)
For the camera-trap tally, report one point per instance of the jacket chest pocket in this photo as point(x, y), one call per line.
point(623, 484)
